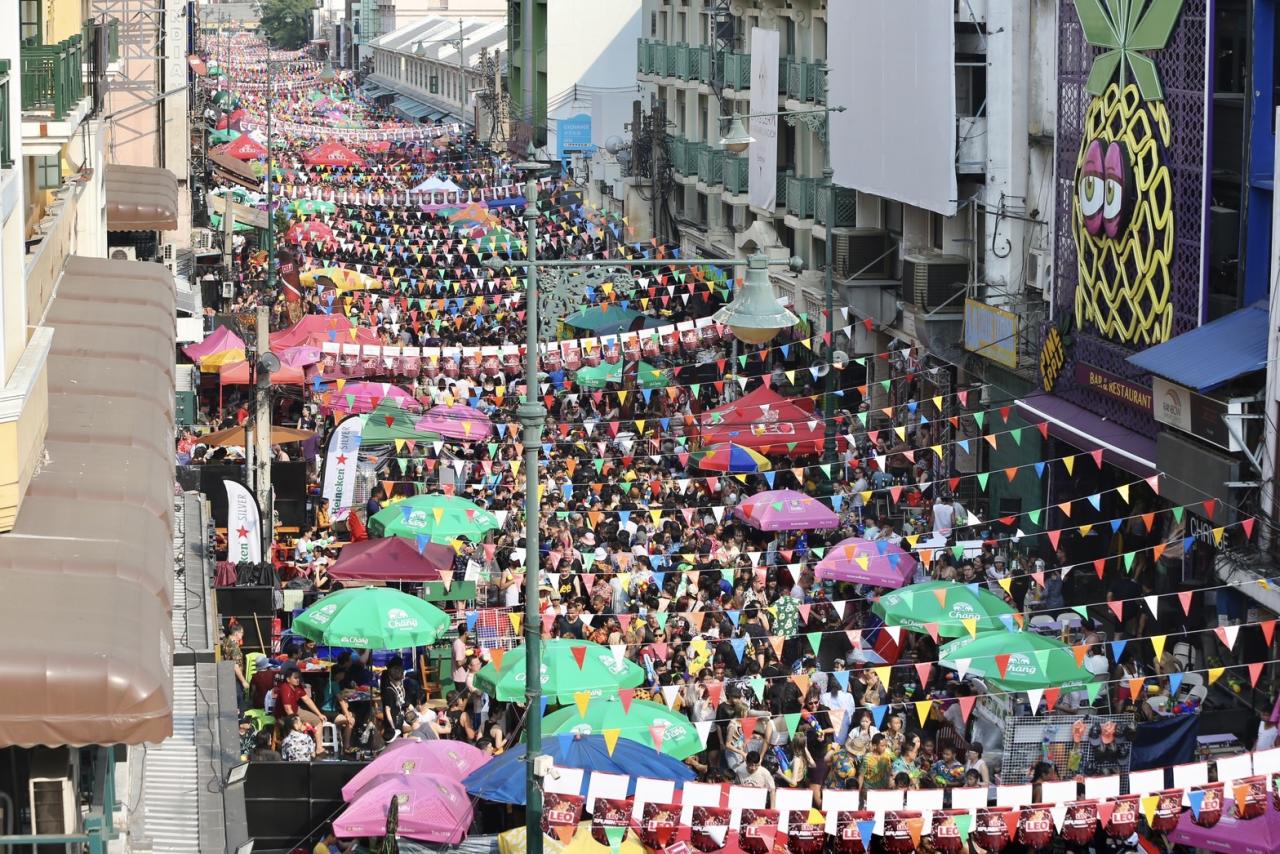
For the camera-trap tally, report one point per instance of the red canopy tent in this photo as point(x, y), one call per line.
point(392, 559)
point(245, 147)
point(311, 231)
point(767, 422)
point(332, 154)
point(238, 374)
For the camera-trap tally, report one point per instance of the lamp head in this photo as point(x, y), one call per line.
point(737, 140)
point(755, 315)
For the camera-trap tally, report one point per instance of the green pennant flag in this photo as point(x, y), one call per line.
point(599, 464)
point(793, 722)
point(615, 835)
point(1042, 658)
point(819, 551)
point(886, 384)
point(982, 480)
point(757, 686)
point(1093, 688)
point(1017, 436)
point(791, 446)
point(1128, 561)
point(742, 360)
point(493, 450)
point(404, 464)
point(663, 616)
point(979, 418)
point(862, 416)
point(964, 824)
point(1082, 610)
point(1034, 516)
point(694, 388)
point(958, 551)
point(815, 640)
point(1177, 514)
point(826, 469)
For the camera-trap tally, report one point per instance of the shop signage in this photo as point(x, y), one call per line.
point(991, 332)
point(1113, 386)
point(1191, 413)
point(1200, 529)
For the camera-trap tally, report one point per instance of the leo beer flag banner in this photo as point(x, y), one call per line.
point(244, 525)
point(340, 460)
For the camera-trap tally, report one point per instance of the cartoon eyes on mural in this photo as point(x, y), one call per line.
point(1106, 188)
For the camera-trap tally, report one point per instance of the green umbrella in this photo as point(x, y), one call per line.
point(647, 376)
point(441, 518)
point(378, 430)
point(1029, 661)
point(945, 605)
point(313, 206)
point(600, 674)
point(215, 221)
point(219, 137)
point(679, 737)
point(605, 319)
point(372, 618)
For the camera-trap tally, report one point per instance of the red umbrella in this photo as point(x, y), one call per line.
point(245, 147)
point(392, 559)
point(332, 154)
point(309, 232)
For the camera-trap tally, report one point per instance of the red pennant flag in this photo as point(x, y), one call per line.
point(1100, 566)
point(1051, 696)
point(1255, 670)
point(748, 727)
point(1097, 457)
point(579, 655)
point(1002, 663)
point(1184, 596)
point(1117, 608)
point(626, 695)
point(924, 669)
point(1209, 504)
point(714, 689)
point(966, 706)
point(655, 732)
point(1268, 630)
point(1043, 426)
point(1053, 537)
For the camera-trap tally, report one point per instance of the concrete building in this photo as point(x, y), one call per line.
point(421, 65)
point(570, 77)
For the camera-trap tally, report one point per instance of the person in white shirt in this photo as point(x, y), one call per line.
point(944, 517)
point(755, 776)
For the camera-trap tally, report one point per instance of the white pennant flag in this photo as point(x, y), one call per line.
point(501, 516)
point(1034, 696)
point(669, 695)
point(1059, 813)
point(704, 730)
point(1153, 602)
point(619, 651)
point(962, 666)
point(1228, 635)
point(894, 632)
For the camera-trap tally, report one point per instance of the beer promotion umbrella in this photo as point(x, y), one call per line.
point(571, 670)
point(729, 458)
point(439, 518)
point(372, 618)
point(650, 724)
point(1017, 661)
point(944, 607)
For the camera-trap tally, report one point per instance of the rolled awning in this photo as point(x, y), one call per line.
point(86, 573)
point(236, 171)
point(1077, 426)
point(141, 198)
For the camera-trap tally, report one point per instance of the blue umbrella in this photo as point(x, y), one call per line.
point(502, 779)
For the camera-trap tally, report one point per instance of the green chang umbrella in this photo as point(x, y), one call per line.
point(215, 220)
point(1016, 661)
point(372, 618)
point(943, 607)
point(678, 736)
point(440, 518)
point(313, 206)
point(599, 675)
point(647, 376)
point(219, 137)
point(388, 422)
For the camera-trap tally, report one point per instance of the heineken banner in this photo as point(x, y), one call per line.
point(244, 525)
point(340, 460)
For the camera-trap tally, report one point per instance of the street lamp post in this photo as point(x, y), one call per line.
point(737, 140)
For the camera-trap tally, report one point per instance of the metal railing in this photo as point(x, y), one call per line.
point(806, 81)
point(801, 193)
point(711, 166)
point(693, 151)
point(737, 71)
point(52, 77)
point(846, 207)
point(644, 57)
point(781, 192)
point(6, 149)
point(676, 149)
point(736, 171)
point(681, 62)
point(658, 59)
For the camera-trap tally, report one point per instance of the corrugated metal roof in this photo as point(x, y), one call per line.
point(429, 31)
point(1214, 354)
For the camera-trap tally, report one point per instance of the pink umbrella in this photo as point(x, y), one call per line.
point(456, 422)
point(364, 397)
point(300, 356)
point(431, 808)
point(786, 510)
point(452, 760)
point(878, 563)
point(312, 231)
point(220, 340)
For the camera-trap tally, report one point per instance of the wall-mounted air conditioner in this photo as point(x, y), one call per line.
point(863, 253)
point(1040, 272)
point(123, 253)
point(931, 281)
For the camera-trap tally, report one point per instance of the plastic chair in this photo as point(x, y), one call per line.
point(329, 738)
point(1198, 693)
point(260, 719)
point(1042, 622)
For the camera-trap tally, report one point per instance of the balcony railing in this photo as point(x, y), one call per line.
point(676, 147)
point(693, 152)
point(52, 77)
point(6, 152)
point(700, 63)
point(737, 71)
point(736, 171)
point(711, 166)
point(781, 192)
point(846, 207)
point(644, 57)
point(658, 59)
point(801, 194)
point(806, 81)
point(681, 63)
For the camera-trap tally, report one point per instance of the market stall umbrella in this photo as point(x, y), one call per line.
point(301, 356)
point(392, 559)
point(332, 154)
point(238, 373)
point(878, 563)
point(429, 807)
point(1017, 661)
point(786, 510)
point(223, 136)
point(313, 206)
point(503, 780)
point(365, 396)
point(245, 147)
point(220, 347)
point(471, 215)
point(234, 436)
point(945, 605)
point(372, 618)
point(440, 518)
point(312, 231)
point(607, 319)
point(597, 376)
point(457, 422)
point(730, 459)
point(446, 758)
point(338, 277)
point(646, 723)
point(215, 222)
point(389, 421)
point(600, 673)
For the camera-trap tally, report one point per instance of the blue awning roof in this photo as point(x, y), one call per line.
point(411, 108)
point(1213, 354)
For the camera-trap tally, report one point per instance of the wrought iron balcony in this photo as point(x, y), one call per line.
point(52, 77)
point(846, 207)
point(711, 166)
point(737, 71)
point(735, 171)
point(644, 57)
point(801, 194)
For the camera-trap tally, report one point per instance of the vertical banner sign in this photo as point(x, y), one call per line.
point(340, 460)
point(763, 153)
point(244, 525)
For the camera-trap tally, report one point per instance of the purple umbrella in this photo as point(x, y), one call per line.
point(456, 422)
point(1260, 835)
point(878, 563)
point(431, 809)
point(452, 760)
point(786, 510)
point(300, 357)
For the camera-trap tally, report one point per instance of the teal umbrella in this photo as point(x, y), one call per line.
point(219, 137)
point(944, 605)
point(644, 722)
point(570, 669)
point(439, 518)
point(372, 618)
point(1017, 661)
point(647, 376)
point(607, 319)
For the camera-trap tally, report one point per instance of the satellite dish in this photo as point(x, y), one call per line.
point(613, 144)
point(839, 359)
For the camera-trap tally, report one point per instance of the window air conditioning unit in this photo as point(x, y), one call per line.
point(930, 281)
point(123, 253)
point(863, 253)
point(1040, 272)
point(51, 787)
point(228, 290)
point(202, 240)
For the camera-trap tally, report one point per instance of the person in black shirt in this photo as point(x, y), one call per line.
point(570, 625)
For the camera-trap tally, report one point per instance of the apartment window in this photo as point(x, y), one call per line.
point(48, 172)
point(6, 156)
point(31, 18)
point(936, 226)
point(891, 217)
point(653, 24)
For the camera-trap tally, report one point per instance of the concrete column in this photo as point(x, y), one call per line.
point(1008, 158)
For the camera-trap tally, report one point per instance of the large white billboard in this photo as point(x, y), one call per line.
point(892, 66)
point(762, 187)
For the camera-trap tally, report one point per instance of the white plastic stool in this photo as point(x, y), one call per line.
point(329, 738)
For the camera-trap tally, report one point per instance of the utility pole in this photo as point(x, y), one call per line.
point(262, 428)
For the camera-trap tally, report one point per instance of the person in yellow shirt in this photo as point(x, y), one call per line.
point(329, 844)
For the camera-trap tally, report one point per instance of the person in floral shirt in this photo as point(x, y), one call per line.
point(297, 745)
point(947, 770)
point(877, 766)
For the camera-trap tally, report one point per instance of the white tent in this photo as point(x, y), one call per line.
point(435, 185)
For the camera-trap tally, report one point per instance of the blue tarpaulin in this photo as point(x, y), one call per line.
point(1166, 742)
point(1213, 354)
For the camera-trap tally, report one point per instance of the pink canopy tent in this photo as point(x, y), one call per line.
point(878, 563)
point(431, 808)
point(301, 356)
point(332, 154)
point(245, 147)
point(1232, 835)
point(767, 422)
point(456, 422)
point(786, 510)
point(238, 374)
point(392, 559)
point(453, 760)
point(316, 329)
point(220, 341)
point(362, 397)
point(311, 231)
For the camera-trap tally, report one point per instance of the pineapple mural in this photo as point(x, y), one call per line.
point(1122, 213)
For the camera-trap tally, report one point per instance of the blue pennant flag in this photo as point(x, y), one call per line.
point(1195, 797)
point(964, 445)
point(624, 516)
point(865, 827)
point(877, 715)
point(1039, 469)
point(739, 646)
point(1117, 649)
point(472, 617)
point(837, 501)
point(842, 676)
point(734, 616)
point(769, 477)
point(1096, 501)
point(1175, 682)
point(422, 540)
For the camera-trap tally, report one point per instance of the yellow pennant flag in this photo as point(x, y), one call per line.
point(1007, 584)
point(582, 699)
point(399, 445)
point(622, 396)
point(1149, 803)
point(1217, 535)
point(862, 561)
point(816, 817)
point(610, 738)
point(922, 710)
point(438, 512)
point(1215, 673)
point(866, 496)
point(937, 449)
point(883, 673)
point(1085, 529)
point(515, 621)
point(1123, 491)
point(971, 626)
point(937, 402)
point(1157, 643)
point(1069, 463)
point(640, 425)
point(902, 433)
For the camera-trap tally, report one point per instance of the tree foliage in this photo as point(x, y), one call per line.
point(287, 23)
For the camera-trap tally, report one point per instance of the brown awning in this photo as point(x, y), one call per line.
point(234, 436)
point(141, 198)
point(236, 171)
point(86, 574)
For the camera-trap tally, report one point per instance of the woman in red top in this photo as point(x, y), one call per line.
point(292, 699)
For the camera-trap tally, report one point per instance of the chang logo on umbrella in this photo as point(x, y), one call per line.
point(398, 618)
point(612, 664)
point(353, 640)
point(322, 615)
point(1019, 663)
point(671, 731)
point(962, 611)
point(416, 519)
